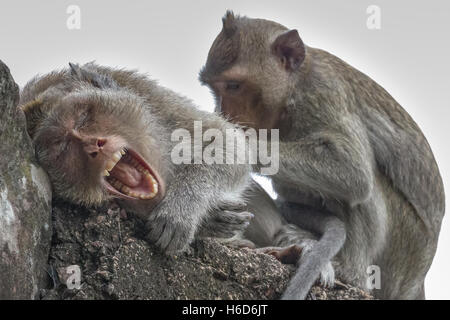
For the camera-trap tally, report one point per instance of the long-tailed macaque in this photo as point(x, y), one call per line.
point(103, 133)
point(354, 167)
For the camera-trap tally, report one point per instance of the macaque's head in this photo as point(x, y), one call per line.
point(250, 70)
point(94, 141)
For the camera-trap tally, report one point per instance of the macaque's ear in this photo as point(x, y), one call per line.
point(289, 48)
point(96, 79)
point(34, 114)
point(75, 70)
point(229, 25)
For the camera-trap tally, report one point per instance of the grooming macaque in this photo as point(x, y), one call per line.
point(103, 133)
point(354, 167)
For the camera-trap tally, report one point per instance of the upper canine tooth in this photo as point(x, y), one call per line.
point(110, 164)
point(122, 152)
point(105, 173)
point(116, 156)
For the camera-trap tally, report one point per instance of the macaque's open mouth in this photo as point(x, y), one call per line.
point(129, 176)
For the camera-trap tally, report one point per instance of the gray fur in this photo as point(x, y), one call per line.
point(144, 114)
point(347, 148)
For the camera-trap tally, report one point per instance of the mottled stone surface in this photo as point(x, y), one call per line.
point(116, 263)
point(25, 202)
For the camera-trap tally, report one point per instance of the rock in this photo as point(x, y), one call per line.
point(25, 202)
point(107, 246)
point(116, 263)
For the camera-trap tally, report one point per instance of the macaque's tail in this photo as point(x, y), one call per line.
point(317, 258)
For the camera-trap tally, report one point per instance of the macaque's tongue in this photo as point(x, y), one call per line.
point(126, 174)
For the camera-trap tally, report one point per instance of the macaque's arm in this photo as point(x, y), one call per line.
point(334, 164)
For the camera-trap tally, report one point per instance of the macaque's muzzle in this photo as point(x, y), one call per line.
point(128, 176)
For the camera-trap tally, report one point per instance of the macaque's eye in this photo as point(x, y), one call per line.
point(232, 86)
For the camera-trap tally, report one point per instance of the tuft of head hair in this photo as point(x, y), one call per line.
point(229, 24)
point(96, 79)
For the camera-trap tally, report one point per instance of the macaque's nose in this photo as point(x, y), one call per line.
point(94, 145)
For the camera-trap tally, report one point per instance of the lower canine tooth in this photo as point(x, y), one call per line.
point(105, 173)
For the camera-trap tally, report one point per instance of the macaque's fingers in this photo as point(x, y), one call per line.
point(238, 219)
point(239, 243)
point(286, 255)
point(168, 235)
point(233, 206)
point(327, 276)
point(225, 224)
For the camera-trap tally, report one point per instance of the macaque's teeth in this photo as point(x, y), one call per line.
point(122, 152)
point(125, 189)
point(133, 194)
point(116, 156)
point(153, 181)
point(105, 173)
point(147, 196)
point(110, 165)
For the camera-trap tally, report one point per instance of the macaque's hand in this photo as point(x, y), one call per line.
point(174, 232)
point(227, 221)
point(171, 231)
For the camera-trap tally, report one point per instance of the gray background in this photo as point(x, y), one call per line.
point(170, 39)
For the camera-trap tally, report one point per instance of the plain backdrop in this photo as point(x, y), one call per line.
point(169, 40)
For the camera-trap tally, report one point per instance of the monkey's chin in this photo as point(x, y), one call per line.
point(130, 177)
